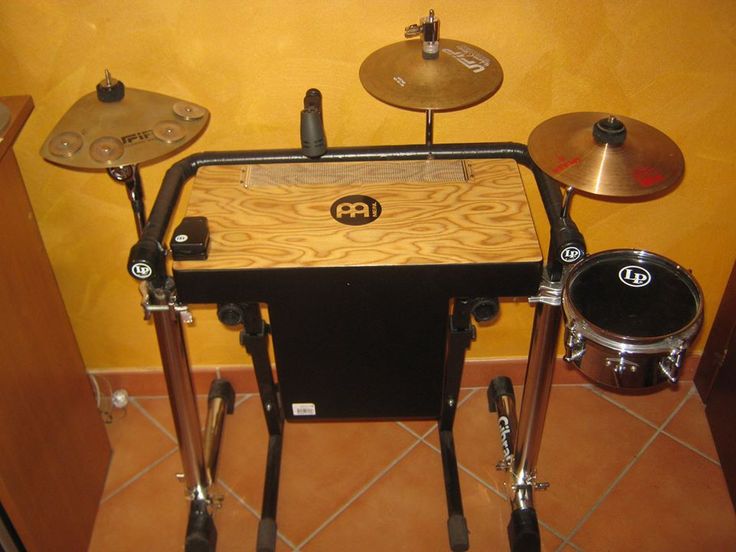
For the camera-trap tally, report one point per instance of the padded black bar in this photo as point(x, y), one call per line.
point(146, 256)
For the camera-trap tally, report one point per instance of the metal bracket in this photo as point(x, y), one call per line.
point(172, 305)
point(550, 293)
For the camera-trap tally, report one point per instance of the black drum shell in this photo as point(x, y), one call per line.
point(663, 322)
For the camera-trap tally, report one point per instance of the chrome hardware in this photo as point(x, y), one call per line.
point(172, 305)
point(621, 365)
point(429, 29)
point(670, 365)
point(575, 345)
point(550, 293)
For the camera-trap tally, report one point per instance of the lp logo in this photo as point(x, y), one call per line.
point(634, 276)
point(570, 254)
point(355, 210)
point(141, 271)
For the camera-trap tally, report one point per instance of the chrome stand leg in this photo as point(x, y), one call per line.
point(199, 460)
point(521, 442)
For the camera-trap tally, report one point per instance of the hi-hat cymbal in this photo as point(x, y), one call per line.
point(461, 76)
point(606, 155)
point(140, 127)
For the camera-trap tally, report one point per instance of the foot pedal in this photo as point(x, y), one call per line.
point(523, 531)
point(499, 387)
point(201, 531)
point(266, 535)
point(457, 528)
point(221, 388)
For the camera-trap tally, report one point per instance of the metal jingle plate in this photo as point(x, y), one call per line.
point(106, 149)
point(66, 144)
point(188, 111)
point(169, 131)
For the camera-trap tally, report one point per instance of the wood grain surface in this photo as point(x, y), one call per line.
point(432, 212)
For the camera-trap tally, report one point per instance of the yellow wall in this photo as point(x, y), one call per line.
point(669, 63)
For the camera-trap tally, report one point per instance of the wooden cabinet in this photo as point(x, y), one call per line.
point(54, 450)
point(716, 382)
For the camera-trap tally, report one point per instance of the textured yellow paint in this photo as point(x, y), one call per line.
point(670, 64)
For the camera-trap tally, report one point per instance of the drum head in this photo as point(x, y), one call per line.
point(634, 293)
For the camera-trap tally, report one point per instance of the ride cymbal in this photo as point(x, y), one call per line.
point(462, 75)
point(116, 127)
point(606, 155)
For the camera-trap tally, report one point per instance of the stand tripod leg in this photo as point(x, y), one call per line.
point(523, 529)
point(459, 336)
point(220, 401)
point(255, 340)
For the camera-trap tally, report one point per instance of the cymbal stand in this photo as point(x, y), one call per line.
point(521, 440)
point(131, 177)
point(429, 128)
point(199, 454)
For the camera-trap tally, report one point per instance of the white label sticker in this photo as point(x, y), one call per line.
point(181, 238)
point(304, 409)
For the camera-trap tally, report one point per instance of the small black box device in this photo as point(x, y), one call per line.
point(191, 239)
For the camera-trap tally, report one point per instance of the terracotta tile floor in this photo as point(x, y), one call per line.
point(627, 473)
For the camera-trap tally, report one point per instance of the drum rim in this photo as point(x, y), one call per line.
point(578, 323)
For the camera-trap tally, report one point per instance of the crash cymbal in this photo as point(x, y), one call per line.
point(462, 75)
point(606, 155)
point(120, 126)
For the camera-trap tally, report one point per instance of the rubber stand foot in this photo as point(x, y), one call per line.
point(222, 388)
point(457, 528)
point(201, 531)
point(523, 531)
point(499, 387)
point(266, 535)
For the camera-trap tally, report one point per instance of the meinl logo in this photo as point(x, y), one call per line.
point(355, 210)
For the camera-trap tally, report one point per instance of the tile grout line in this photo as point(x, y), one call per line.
point(153, 420)
point(599, 393)
point(357, 495)
point(140, 474)
point(626, 469)
point(690, 392)
point(435, 425)
point(240, 500)
point(692, 448)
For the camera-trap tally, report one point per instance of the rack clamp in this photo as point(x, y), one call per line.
point(171, 305)
point(550, 293)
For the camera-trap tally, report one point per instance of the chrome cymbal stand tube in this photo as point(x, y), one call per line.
point(521, 441)
point(199, 454)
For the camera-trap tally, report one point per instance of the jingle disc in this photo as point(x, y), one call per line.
point(106, 149)
point(189, 111)
point(462, 75)
point(65, 144)
point(169, 131)
point(622, 157)
point(141, 127)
